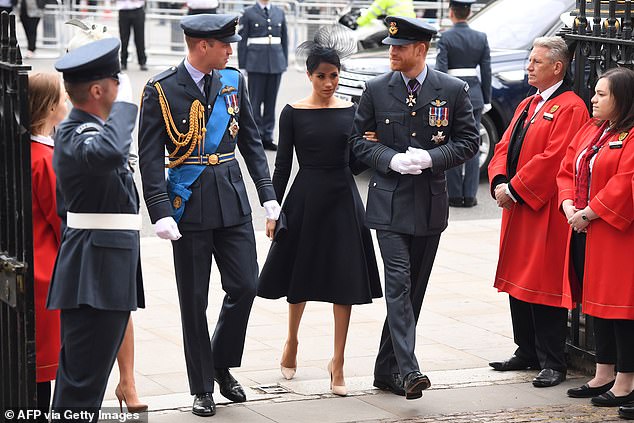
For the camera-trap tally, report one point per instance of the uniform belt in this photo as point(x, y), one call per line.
point(113, 221)
point(265, 40)
point(208, 159)
point(463, 72)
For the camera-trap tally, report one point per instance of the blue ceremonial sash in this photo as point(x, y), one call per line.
point(180, 178)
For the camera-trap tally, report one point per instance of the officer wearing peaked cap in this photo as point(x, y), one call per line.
point(412, 125)
point(263, 53)
point(464, 53)
point(200, 112)
point(97, 277)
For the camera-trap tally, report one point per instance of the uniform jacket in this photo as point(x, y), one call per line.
point(608, 285)
point(533, 234)
point(463, 47)
point(263, 58)
point(98, 268)
point(219, 196)
point(412, 204)
point(46, 232)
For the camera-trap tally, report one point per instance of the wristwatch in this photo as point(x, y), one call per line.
point(584, 217)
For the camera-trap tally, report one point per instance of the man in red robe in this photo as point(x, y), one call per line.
point(533, 236)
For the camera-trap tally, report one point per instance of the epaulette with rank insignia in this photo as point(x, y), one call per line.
point(88, 127)
point(167, 72)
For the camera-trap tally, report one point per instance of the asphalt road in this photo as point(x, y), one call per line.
point(294, 86)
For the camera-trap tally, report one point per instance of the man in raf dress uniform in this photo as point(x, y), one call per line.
point(263, 53)
point(534, 234)
point(97, 276)
point(424, 123)
point(200, 112)
point(460, 51)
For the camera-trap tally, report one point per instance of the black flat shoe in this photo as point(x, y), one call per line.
point(229, 387)
point(549, 377)
point(269, 146)
point(470, 202)
point(627, 412)
point(415, 383)
point(204, 405)
point(456, 202)
point(585, 391)
point(513, 363)
point(392, 383)
point(610, 400)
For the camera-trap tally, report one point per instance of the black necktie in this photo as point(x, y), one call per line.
point(413, 86)
point(266, 12)
point(207, 86)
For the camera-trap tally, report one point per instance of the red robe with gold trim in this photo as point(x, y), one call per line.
point(533, 234)
point(608, 286)
point(46, 239)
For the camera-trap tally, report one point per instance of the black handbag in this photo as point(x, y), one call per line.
point(280, 227)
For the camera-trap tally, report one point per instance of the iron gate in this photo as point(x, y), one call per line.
point(17, 317)
point(602, 39)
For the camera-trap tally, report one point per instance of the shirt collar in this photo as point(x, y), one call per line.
point(196, 75)
point(264, 6)
point(420, 78)
point(43, 140)
point(550, 91)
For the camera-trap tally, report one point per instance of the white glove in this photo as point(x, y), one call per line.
point(419, 157)
point(166, 228)
point(125, 89)
point(273, 209)
point(244, 72)
point(487, 107)
point(403, 164)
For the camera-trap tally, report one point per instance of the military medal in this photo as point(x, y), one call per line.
point(233, 128)
point(231, 101)
point(412, 93)
point(438, 116)
point(439, 138)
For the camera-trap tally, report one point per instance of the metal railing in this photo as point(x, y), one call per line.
point(600, 42)
point(17, 316)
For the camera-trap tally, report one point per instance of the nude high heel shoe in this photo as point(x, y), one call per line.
point(340, 390)
point(288, 372)
point(132, 408)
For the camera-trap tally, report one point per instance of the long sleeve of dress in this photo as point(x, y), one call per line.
point(284, 157)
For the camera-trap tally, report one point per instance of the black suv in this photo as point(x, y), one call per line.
point(511, 26)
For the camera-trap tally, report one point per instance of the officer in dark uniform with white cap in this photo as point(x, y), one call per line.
point(423, 122)
point(200, 112)
point(461, 50)
point(97, 277)
point(263, 53)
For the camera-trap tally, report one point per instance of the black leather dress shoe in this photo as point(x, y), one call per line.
point(415, 383)
point(143, 67)
point(229, 387)
point(627, 411)
point(470, 202)
point(269, 145)
point(392, 383)
point(456, 201)
point(513, 363)
point(204, 405)
point(610, 400)
point(585, 391)
point(549, 377)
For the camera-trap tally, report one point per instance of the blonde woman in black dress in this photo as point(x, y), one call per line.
point(326, 254)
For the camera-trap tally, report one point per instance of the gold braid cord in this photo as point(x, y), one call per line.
point(196, 131)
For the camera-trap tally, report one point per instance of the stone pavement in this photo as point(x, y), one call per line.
point(464, 324)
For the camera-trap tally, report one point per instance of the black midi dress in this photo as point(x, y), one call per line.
point(327, 253)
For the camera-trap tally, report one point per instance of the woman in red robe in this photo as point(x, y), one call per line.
point(47, 106)
point(595, 193)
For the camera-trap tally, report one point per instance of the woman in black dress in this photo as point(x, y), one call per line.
point(326, 254)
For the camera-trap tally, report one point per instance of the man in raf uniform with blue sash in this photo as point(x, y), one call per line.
point(263, 53)
point(423, 122)
point(200, 112)
point(461, 50)
point(97, 276)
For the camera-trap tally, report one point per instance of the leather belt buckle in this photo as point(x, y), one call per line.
point(213, 159)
